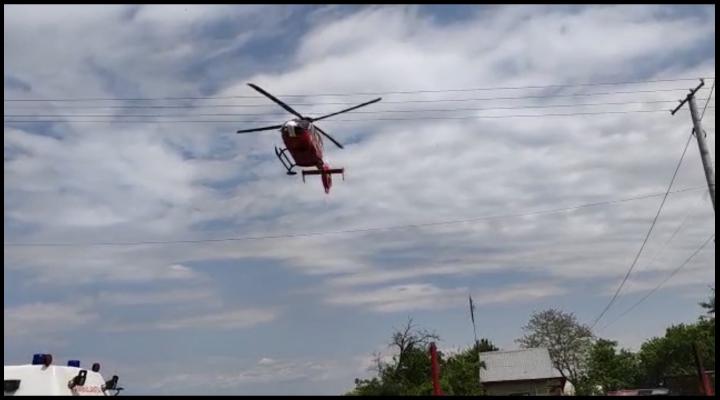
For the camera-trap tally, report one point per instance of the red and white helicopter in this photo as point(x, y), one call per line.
point(302, 140)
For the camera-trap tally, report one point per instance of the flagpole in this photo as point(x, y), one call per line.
point(477, 344)
point(472, 317)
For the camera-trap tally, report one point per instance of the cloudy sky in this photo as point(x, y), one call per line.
point(281, 312)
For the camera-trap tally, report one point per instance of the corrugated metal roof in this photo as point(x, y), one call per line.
point(517, 365)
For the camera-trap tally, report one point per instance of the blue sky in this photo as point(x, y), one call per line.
point(303, 315)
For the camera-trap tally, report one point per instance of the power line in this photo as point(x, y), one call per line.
point(647, 236)
point(403, 101)
point(681, 266)
point(657, 255)
point(200, 106)
point(348, 120)
point(675, 232)
point(374, 93)
point(707, 101)
point(502, 88)
point(354, 112)
point(308, 234)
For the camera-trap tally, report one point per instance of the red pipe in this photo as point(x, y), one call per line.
point(709, 389)
point(435, 369)
point(705, 386)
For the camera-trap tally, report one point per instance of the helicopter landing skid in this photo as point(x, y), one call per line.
point(285, 161)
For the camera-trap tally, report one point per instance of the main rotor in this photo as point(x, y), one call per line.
point(300, 116)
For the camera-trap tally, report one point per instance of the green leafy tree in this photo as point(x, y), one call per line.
point(460, 374)
point(710, 304)
point(486, 345)
point(567, 341)
point(609, 369)
point(672, 354)
point(408, 373)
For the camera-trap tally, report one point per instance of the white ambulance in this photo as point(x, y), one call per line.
point(42, 378)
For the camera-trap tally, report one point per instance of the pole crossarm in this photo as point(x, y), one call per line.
point(692, 92)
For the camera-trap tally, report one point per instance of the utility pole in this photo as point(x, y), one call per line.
point(700, 135)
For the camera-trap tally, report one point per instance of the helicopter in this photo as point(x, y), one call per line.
point(303, 141)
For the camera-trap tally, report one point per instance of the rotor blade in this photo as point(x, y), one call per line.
point(347, 109)
point(275, 99)
point(329, 137)
point(267, 128)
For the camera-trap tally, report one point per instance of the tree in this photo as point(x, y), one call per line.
point(486, 345)
point(460, 374)
point(396, 379)
point(566, 339)
point(609, 369)
point(672, 354)
point(710, 304)
point(408, 339)
point(409, 371)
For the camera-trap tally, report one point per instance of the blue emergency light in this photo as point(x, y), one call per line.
point(42, 359)
point(38, 358)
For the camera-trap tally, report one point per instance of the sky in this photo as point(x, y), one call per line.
point(283, 312)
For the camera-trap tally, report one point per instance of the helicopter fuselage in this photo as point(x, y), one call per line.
point(304, 143)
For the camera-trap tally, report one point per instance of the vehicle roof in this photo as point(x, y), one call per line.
point(52, 380)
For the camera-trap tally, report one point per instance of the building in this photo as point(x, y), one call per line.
point(527, 372)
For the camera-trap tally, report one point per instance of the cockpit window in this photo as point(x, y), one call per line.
point(295, 128)
point(289, 128)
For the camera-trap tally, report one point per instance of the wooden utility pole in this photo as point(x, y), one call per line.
point(700, 135)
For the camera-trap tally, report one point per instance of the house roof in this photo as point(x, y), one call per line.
point(517, 365)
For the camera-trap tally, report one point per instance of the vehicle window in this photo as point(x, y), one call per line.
point(11, 385)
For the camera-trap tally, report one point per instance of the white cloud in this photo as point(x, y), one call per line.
point(266, 361)
point(173, 296)
point(177, 271)
point(187, 14)
point(423, 296)
point(238, 374)
point(543, 161)
point(697, 276)
point(45, 319)
point(401, 298)
point(233, 319)
point(377, 276)
point(52, 15)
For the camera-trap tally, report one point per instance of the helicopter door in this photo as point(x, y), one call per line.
point(318, 139)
